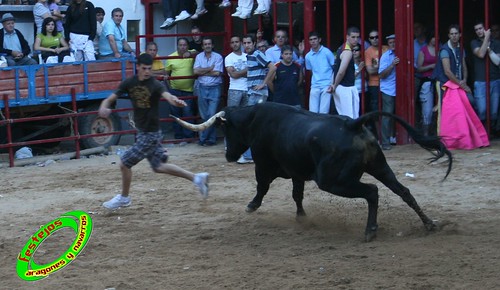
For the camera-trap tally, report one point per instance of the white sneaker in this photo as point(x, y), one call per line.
point(167, 23)
point(182, 16)
point(197, 14)
point(225, 4)
point(201, 181)
point(237, 13)
point(243, 160)
point(117, 202)
point(259, 11)
point(245, 16)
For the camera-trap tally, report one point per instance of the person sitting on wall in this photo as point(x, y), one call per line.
point(244, 8)
point(171, 8)
point(50, 42)
point(113, 42)
point(80, 29)
point(41, 11)
point(13, 43)
point(200, 9)
point(99, 16)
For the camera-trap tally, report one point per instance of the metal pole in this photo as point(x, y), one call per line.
point(75, 123)
point(487, 68)
point(308, 27)
point(381, 42)
point(403, 47)
point(436, 36)
point(9, 129)
point(290, 22)
point(362, 32)
point(328, 24)
point(344, 11)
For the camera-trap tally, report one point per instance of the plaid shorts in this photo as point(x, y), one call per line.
point(147, 145)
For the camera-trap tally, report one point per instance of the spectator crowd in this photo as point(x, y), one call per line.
point(79, 34)
point(260, 72)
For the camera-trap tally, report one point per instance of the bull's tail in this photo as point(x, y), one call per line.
point(432, 144)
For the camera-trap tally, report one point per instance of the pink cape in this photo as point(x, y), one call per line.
point(460, 126)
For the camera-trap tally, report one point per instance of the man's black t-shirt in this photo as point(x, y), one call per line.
point(145, 96)
point(285, 84)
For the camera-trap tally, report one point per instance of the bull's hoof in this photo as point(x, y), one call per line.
point(301, 216)
point(432, 226)
point(370, 234)
point(251, 207)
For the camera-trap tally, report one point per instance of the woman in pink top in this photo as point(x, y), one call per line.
point(425, 65)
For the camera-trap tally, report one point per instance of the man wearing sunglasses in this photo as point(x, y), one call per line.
point(371, 62)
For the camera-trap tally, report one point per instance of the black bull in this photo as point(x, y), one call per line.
point(334, 151)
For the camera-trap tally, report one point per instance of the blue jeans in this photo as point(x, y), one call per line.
point(388, 103)
point(495, 98)
point(172, 7)
point(237, 98)
point(208, 102)
point(480, 99)
point(373, 96)
point(427, 102)
point(252, 100)
point(187, 111)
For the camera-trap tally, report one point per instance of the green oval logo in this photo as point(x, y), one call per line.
point(79, 221)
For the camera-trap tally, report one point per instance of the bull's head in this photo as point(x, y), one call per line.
point(234, 131)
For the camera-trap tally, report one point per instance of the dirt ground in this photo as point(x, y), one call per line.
point(170, 238)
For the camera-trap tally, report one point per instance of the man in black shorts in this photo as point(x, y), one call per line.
point(145, 92)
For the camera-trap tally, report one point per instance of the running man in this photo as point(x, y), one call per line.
point(145, 93)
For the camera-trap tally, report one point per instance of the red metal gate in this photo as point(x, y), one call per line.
point(332, 17)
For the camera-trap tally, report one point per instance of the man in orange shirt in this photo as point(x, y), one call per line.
point(371, 62)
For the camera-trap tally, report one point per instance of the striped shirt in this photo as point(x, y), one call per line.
point(257, 63)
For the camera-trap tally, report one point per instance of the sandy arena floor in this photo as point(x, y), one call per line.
point(170, 238)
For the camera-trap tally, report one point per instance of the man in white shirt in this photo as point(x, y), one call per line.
point(236, 67)
point(113, 40)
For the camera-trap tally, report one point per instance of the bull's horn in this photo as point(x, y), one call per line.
point(200, 127)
